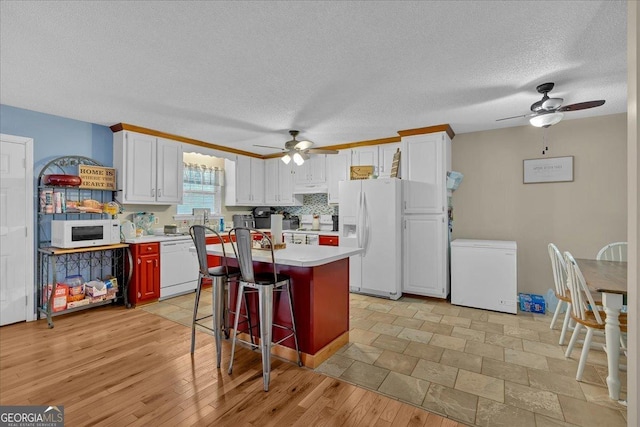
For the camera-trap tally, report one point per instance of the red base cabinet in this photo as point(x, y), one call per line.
point(145, 277)
point(328, 240)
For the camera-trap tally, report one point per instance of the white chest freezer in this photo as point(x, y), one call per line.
point(484, 274)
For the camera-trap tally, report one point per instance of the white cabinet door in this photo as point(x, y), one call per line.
point(285, 184)
point(365, 156)
point(140, 168)
point(424, 256)
point(318, 168)
point(149, 169)
point(169, 171)
point(312, 171)
point(257, 181)
point(425, 159)
point(271, 181)
point(337, 170)
point(386, 152)
point(243, 180)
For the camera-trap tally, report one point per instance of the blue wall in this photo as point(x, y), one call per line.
point(55, 136)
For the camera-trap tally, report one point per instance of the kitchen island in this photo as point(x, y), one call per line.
point(320, 286)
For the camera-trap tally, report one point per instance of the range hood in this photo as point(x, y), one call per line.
point(310, 189)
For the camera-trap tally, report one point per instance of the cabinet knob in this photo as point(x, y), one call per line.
point(159, 192)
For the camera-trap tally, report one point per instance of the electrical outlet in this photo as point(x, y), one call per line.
point(157, 220)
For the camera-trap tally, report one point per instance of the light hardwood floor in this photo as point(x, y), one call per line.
point(118, 367)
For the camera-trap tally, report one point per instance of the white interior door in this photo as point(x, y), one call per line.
point(16, 236)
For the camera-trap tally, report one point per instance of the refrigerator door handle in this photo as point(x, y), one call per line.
point(358, 220)
point(365, 223)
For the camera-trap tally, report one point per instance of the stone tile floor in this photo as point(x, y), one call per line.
point(478, 367)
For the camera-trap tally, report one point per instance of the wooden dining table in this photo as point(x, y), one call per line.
point(610, 279)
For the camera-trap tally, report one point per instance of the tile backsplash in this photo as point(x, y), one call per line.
point(313, 204)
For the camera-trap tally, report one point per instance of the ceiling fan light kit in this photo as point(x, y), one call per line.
point(549, 111)
point(546, 120)
point(299, 151)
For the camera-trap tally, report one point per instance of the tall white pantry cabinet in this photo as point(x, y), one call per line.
point(424, 162)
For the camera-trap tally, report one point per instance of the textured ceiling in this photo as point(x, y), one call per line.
point(243, 73)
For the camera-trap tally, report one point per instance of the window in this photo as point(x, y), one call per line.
point(202, 188)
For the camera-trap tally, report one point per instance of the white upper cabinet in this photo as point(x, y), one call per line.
point(337, 170)
point(312, 171)
point(365, 156)
point(311, 176)
point(244, 181)
point(169, 171)
point(278, 184)
point(425, 160)
point(149, 169)
point(385, 160)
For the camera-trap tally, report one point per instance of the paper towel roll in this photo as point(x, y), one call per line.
point(276, 229)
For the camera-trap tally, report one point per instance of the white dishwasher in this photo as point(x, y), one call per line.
point(178, 268)
point(484, 274)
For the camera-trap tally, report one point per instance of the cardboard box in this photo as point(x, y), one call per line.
point(92, 291)
point(80, 303)
point(111, 283)
point(93, 300)
point(532, 303)
point(59, 298)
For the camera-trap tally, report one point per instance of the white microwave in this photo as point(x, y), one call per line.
point(69, 234)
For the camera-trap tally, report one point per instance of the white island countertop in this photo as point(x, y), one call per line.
point(293, 255)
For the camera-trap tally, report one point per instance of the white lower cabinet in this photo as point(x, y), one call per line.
point(425, 255)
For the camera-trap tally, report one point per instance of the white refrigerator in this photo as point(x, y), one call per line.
point(371, 218)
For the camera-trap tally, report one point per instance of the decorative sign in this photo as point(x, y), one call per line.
point(552, 169)
point(395, 166)
point(97, 177)
point(361, 172)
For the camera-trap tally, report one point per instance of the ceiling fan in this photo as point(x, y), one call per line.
point(298, 150)
point(549, 111)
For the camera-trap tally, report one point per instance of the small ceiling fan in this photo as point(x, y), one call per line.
point(549, 111)
point(298, 150)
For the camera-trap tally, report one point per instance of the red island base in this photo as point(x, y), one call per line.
point(320, 306)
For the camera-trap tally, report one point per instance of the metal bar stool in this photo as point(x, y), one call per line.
point(220, 277)
point(264, 284)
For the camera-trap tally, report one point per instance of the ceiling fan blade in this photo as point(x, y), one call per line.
point(268, 146)
point(320, 151)
point(514, 117)
point(581, 105)
point(303, 145)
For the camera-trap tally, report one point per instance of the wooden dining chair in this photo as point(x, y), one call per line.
point(562, 292)
point(613, 252)
point(585, 312)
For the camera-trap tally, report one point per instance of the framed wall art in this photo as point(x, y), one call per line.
point(550, 169)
